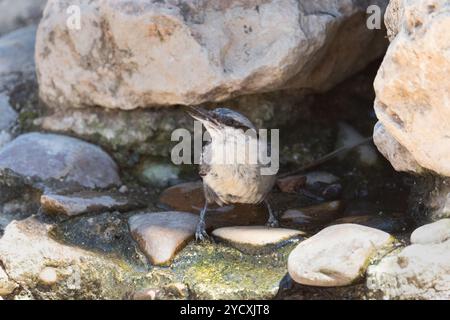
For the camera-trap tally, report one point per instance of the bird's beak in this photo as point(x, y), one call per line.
point(201, 115)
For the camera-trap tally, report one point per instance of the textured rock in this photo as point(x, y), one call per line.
point(320, 177)
point(19, 14)
point(419, 271)
point(69, 160)
point(161, 235)
point(6, 285)
point(336, 256)
point(412, 96)
point(27, 251)
point(85, 202)
point(220, 272)
point(256, 239)
point(139, 54)
point(400, 158)
point(432, 233)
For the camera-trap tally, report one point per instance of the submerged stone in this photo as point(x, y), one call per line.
point(313, 216)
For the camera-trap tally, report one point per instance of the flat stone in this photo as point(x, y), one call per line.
point(83, 202)
point(433, 233)
point(60, 158)
point(256, 239)
point(337, 255)
point(161, 235)
point(6, 285)
point(291, 184)
point(417, 272)
point(189, 197)
point(313, 216)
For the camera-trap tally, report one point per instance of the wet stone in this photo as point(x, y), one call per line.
point(216, 271)
point(337, 255)
point(291, 184)
point(161, 235)
point(315, 177)
point(85, 202)
point(312, 217)
point(256, 239)
point(188, 197)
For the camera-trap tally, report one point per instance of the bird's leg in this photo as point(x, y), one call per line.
point(273, 220)
point(200, 233)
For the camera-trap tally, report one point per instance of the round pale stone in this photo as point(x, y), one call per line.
point(436, 232)
point(336, 256)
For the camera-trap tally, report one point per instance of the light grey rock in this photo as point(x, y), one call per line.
point(419, 271)
point(337, 255)
point(141, 54)
point(161, 235)
point(84, 202)
point(412, 97)
point(18, 13)
point(64, 159)
point(433, 233)
point(320, 176)
point(256, 239)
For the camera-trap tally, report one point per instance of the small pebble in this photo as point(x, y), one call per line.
point(48, 276)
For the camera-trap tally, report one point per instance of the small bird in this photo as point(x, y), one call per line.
point(230, 182)
point(240, 181)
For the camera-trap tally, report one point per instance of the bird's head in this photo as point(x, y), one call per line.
point(220, 118)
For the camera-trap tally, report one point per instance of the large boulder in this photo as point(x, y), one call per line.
point(141, 53)
point(412, 87)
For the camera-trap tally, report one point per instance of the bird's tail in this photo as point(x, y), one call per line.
point(326, 158)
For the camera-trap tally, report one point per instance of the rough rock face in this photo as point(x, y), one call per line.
point(59, 158)
point(27, 251)
point(18, 13)
point(419, 271)
point(412, 86)
point(141, 53)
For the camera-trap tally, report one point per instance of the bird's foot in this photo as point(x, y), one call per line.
point(200, 233)
point(273, 223)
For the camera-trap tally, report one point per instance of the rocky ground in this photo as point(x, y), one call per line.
point(92, 208)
